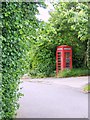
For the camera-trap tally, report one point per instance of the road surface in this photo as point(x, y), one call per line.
point(53, 98)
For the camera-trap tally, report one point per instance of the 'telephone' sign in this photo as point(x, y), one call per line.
point(67, 48)
point(59, 48)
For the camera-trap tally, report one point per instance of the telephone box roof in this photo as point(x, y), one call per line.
point(62, 46)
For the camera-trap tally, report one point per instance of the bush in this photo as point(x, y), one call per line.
point(73, 72)
point(42, 61)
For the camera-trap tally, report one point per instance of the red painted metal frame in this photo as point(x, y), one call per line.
point(63, 49)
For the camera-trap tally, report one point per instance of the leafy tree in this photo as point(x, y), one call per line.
point(70, 21)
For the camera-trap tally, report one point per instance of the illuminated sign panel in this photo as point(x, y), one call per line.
point(59, 48)
point(67, 48)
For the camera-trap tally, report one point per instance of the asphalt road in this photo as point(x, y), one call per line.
point(45, 98)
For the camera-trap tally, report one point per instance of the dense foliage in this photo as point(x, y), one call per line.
point(18, 30)
point(68, 25)
point(70, 21)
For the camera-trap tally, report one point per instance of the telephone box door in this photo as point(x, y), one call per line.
point(67, 59)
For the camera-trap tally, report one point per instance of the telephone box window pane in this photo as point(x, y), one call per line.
point(59, 60)
point(59, 52)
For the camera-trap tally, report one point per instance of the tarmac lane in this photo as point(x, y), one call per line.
point(51, 100)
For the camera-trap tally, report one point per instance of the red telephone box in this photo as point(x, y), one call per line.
point(63, 58)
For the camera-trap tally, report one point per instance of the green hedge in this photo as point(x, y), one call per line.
point(42, 61)
point(16, 40)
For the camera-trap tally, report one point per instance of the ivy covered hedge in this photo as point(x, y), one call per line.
point(18, 28)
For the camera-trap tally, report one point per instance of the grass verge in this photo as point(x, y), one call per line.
point(73, 72)
point(87, 88)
